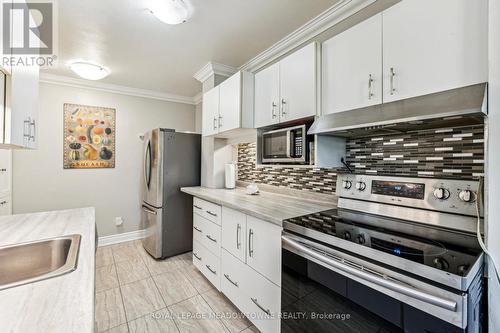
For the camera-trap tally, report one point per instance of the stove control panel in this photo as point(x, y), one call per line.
point(444, 195)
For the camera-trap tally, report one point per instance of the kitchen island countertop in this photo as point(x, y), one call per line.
point(60, 304)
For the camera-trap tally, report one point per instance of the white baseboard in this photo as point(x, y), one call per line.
point(121, 238)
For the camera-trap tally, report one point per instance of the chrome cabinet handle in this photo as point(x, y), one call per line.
point(211, 270)
point(238, 241)
point(33, 135)
point(197, 229)
point(196, 256)
point(370, 84)
point(212, 239)
point(211, 213)
point(273, 110)
point(393, 74)
point(3, 203)
point(3, 170)
point(283, 103)
point(370, 276)
point(220, 121)
point(267, 311)
point(250, 243)
point(149, 211)
point(197, 207)
point(229, 279)
point(215, 123)
point(27, 128)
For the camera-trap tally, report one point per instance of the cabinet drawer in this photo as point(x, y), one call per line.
point(197, 228)
point(233, 278)
point(211, 236)
point(264, 248)
point(252, 293)
point(198, 254)
point(207, 263)
point(234, 232)
point(262, 302)
point(211, 267)
point(208, 210)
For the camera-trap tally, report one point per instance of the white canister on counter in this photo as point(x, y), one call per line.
point(230, 175)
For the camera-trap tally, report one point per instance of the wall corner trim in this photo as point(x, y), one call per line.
point(121, 238)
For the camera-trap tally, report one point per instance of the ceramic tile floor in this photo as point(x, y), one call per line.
point(137, 294)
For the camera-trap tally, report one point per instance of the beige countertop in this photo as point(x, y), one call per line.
point(268, 206)
point(61, 304)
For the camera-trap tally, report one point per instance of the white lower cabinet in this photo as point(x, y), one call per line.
point(241, 256)
point(264, 248)
point(207, 241)
point(207, 234)
point(234, 232)
point(254, 295)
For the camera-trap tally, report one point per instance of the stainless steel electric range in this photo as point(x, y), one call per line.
point(398, 254)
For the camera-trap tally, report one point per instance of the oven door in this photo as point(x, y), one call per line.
point(325, 290)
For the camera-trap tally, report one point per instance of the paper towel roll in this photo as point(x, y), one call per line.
point(230, 175)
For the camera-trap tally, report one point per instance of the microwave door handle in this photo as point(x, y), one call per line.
point(288, 144)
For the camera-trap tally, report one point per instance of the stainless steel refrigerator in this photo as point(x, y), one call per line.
point(171, 160)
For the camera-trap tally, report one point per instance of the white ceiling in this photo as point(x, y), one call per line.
point(144, 53)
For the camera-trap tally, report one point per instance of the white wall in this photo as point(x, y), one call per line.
point(198, 118)
point(40, 183)
point(493, 171)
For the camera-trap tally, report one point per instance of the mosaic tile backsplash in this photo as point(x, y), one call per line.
point(443, 153)
point(316, 180)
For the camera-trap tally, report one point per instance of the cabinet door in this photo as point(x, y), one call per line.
point(5, 170)
point(23, 91)
point(267, 96)
point(264, 248)
point(431, 46)
point(352, 61)
point(298, 84)
point(234, 232)
point(210, 112)
point(230, 103)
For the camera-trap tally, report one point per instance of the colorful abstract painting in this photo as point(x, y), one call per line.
point(89, 137)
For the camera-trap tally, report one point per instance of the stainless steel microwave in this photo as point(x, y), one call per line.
point(286, 145)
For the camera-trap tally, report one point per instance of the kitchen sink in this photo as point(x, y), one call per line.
point(38, 260)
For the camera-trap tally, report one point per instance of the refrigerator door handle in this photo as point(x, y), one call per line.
point(147, 166)
point(149, 211)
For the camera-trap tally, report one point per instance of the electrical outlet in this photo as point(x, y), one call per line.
point(118, 221)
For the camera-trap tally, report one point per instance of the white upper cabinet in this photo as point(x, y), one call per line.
point(298, 84)
point(210, 114)
point(351, 63)
point(230, 105)
point(432, 46)
point(414, 48)
point(267, 96)
point(19, 120)
point(286, 90)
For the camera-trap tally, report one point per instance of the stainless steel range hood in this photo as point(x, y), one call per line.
point(451, 108)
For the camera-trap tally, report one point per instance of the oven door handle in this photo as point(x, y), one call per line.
point(370, 277)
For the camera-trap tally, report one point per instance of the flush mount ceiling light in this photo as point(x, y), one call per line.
point(89, 71)
point(169, 11)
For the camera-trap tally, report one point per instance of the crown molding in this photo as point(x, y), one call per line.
point(116, 89)
point(330, 17)
point(212, 68)
point(198, 98)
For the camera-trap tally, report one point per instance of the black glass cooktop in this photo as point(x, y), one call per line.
point(445, 250)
